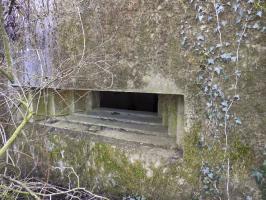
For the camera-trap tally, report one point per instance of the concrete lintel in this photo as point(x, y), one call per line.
point(141, 90)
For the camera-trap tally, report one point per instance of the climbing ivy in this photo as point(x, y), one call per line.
point(223, 27)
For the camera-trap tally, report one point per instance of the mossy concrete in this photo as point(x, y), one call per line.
point(138, 46)
point(118, 170)
point(50, 102)
point(113, 169)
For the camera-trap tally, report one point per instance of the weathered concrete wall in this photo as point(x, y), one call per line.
point(129, 46)
point(117, 169)
point(149, 46)
point(117, 45)
point(134, 45)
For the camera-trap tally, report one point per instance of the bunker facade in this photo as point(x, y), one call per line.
point(111, 75)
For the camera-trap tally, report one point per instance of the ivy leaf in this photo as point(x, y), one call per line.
point(226, 57)
point(258, 176)
point(237, 97)
point(210, 175)
point(238, 121)
point(205, 170)
point(256, 26)
point(217, 29)
point(238, 73)
point(219, 8)
point(250, 1)
point(209, 104)
point(210, 61)
point(248, 198)
point(216, 94)
point(240, 12)
point(224, 109)
point(235, 7)
point(211, 49)
point(183, 42)
point(233, 58)
point(227, 117)
point(218, 70)
point(215, 87)
point(200, 17)
point(224, 103)
point(200, 37)
point(224, 106)
point(206, 89)
point(238, 20)
point(221, 94)
point(259, 13)
point(200, 9)
point(209, 69)
point(227, 44)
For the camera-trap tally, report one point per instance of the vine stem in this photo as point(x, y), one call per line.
point(218, 22)
point(226, 151)
point(226, 113)
point(228, 178)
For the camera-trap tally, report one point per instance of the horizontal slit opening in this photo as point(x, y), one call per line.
point(129, 101)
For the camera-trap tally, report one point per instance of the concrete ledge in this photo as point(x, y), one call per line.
point(109, 136)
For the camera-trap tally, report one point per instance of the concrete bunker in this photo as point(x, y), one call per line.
point(152, 114)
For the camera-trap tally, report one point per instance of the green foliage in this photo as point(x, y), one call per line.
point(192, 156)
point(210, 178)
point(131, 178)
point(209, 174)
point(218, 150)
point(241, 152)
point(109, 171)
point(127, 177)
point(259, 5)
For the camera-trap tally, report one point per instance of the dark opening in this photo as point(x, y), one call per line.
point(129, 101)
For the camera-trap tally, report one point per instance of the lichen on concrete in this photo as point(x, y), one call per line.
point(117, 171)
